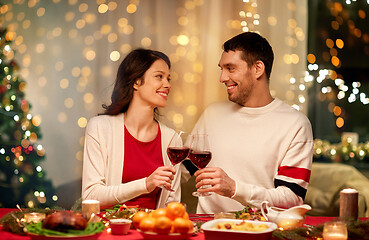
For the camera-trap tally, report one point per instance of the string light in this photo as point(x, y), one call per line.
point(340, 152)
point(249, 16)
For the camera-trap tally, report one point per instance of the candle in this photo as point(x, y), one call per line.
point(90, 208)
point(349, 204)
point(224, 215)
point(350, 138)
point(334, 236)
point(335, 230)
point(34, 217)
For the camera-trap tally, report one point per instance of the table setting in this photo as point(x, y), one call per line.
point(173, 222)
point(87, 221)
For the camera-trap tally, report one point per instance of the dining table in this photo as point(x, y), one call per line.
point(133, 234)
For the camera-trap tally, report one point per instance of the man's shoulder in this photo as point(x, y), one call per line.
point(292, 113)
point(218, 106)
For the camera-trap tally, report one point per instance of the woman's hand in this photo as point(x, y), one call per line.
point(162, 176)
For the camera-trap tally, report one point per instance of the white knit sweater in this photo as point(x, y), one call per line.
point(267, 150)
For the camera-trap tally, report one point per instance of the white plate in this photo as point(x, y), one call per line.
point(56, 237)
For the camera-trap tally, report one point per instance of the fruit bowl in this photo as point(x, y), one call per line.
point(170, 236)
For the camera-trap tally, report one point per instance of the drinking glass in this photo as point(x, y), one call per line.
point(177, 150)
point(200, 155)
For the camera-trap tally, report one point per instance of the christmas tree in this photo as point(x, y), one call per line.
point(22, 179)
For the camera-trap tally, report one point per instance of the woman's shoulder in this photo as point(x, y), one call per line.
point(104, 120)
point(165, 129)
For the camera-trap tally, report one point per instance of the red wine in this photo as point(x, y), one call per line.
point(200, 159)
point(177, 154)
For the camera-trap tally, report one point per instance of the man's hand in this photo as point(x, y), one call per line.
point(162, 176)
point(220, 182)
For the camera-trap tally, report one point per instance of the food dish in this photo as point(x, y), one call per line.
point(36, 232)
point(211, 233)
point(170, 236)
point(79, 237)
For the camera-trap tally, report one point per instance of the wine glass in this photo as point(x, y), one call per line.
point(200, 155)
point(177, 151)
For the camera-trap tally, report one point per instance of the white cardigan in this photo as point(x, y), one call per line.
point(103, 164)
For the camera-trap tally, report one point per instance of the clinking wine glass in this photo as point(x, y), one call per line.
point(200, 155)
point(177, 151)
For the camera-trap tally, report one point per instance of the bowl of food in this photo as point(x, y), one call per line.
point(236, 229)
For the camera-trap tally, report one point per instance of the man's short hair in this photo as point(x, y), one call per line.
point(254, 47)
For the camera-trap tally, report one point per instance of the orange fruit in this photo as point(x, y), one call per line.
point(147, 224)
point(182, 225)
point(159, 213)
point(191, 226)
point(163, 225)
point(172, 230)
point(175, 209)
point(138, 217)
point(185, 216)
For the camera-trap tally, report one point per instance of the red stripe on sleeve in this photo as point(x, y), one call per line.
point(295, 172)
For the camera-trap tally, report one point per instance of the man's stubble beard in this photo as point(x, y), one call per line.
point(242, 95)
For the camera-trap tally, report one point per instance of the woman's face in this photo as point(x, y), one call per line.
point(155, 88)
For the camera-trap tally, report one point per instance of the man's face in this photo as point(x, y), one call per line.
point(237, 76)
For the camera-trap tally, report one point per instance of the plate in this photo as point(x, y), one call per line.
point(170, 236)
point(52, 237)
point(211, 233)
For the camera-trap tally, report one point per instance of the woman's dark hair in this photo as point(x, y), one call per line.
point(132, 68)
point(254, 47)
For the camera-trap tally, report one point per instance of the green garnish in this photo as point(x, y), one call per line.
point(92, 228)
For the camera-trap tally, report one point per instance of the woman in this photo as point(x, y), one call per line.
point(125, 158)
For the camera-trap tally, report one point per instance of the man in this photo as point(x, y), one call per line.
point(261, 147)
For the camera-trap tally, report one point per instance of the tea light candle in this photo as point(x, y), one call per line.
point(224, 215)
point(90, 207)
point(335, 231)
point(34, 217)
point(349, 204)
point(286, 223)
point(350, 138)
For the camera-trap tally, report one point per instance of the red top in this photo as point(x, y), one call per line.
point(140, 160)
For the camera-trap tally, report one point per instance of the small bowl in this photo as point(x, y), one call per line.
point(120, 226)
